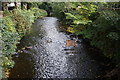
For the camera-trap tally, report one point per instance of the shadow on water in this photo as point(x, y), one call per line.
point(23, 67)
point(43, 54)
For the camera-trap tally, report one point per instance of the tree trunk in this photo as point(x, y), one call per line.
point(22, 5)
point(0, 6)
point(16, 6)
point(5, 7)
point(28, 5)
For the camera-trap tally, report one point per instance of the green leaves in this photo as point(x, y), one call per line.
point(7, 63)
point(9, 24)
point(113, 35)
point(9, 42)
point(79, 12)
point(84, 22)
point(38, 12)
point(101, 27)
point(15, 25)
point(78, 19)
point(70, 16)
point(23, 20)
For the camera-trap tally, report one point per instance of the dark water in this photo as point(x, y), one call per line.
point(46, 56)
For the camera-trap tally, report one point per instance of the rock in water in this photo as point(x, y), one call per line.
point(70, 43)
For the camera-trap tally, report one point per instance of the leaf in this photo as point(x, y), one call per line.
point(81, 21)
point(113, 35)
point(70, 16)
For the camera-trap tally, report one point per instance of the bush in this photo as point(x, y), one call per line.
point(15, 24)
point(38, 12)
point(100, 26)
point(9, 39)
point(103, 32)
point(23, 20)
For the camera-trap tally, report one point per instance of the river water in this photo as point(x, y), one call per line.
point(46, 56)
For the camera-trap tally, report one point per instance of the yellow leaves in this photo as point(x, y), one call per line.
point(83, 21)
point(71, 29)
point(70, 16)
point(75, 29)
point(12, 29)
point(9, 24)
point(7, 62)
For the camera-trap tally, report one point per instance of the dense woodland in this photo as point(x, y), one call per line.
point(97, 22)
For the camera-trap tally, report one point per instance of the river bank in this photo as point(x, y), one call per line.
point(97, 29)
point(36, 56)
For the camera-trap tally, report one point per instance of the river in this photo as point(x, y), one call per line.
point(46, 56)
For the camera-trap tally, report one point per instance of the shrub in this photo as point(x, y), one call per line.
point(104, 34)
point(15, 24)
point(38, 12)
point(23, 20)
point(100, 26)
point(9, 38)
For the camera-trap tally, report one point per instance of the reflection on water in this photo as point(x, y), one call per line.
point(48, 57)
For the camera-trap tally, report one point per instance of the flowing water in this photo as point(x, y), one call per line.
point(46, 55)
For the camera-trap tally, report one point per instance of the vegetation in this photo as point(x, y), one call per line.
point(100, 26)
point(98, 22)
point(15, 24)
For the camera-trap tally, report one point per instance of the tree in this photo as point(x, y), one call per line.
point(5, 7)
point(0, 6)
